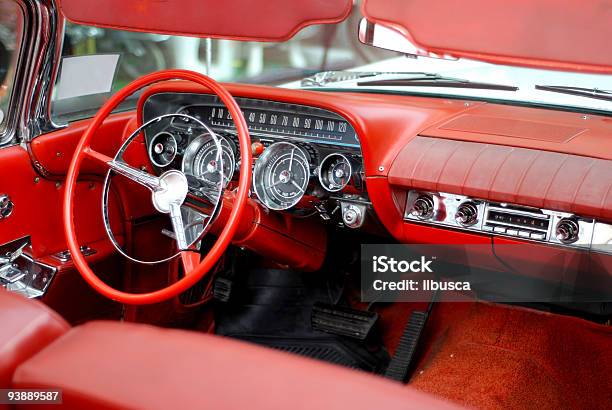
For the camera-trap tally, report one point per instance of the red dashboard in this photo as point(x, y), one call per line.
point(528, 156)
point(533, 157)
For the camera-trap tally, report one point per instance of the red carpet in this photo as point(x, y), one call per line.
point(502, 357)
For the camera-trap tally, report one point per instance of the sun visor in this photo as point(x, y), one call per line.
point(256, 20)
point(572, 35)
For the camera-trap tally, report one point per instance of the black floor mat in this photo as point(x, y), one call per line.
point(272, 307)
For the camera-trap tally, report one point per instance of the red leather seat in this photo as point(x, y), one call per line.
point(113, 365)
point(25, 328)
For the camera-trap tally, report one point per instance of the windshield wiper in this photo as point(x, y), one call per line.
point(328, 77)
point(435, 80)
point(578, 91)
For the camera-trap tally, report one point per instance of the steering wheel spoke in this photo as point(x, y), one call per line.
point(97, 156)
point(178, 226)
point(140, 177)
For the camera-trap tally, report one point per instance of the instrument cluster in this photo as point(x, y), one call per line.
point(302, 155)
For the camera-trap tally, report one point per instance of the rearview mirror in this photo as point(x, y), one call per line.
point(380, 36)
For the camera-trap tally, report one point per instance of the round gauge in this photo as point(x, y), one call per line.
point(335, 172)
point(203, 160)
point(162, 149)
point(281, 175)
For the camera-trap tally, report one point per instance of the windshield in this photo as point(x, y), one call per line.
point(294, 63)
point(524, 79)
point(314, 49)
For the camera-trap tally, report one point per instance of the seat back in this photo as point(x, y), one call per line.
point(111, 365)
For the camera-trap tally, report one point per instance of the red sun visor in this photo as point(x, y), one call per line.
point(257, 20)
point(572, 35)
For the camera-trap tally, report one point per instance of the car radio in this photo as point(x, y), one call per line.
point(528, 223)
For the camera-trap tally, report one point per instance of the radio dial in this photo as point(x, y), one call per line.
point(467, 214)
point(567, 230)
point(423, 207)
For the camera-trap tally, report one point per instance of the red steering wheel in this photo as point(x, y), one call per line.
point(192, 273)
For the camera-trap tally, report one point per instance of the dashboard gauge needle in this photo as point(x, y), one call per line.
point(291, 160)
point(297, 186)
point(274, 184)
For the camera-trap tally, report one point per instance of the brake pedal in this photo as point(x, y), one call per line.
point(342, 321)
point(222, 289)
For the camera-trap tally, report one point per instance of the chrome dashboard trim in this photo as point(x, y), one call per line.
point(211, 100)
point(593, 235)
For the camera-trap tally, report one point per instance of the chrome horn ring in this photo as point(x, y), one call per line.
point(168, 194)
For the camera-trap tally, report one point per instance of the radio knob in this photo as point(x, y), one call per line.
point(423, 207)
point(567, 230)
point(467, 214)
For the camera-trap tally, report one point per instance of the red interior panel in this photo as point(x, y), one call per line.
point(259, 20)
point(52, 152)
point(537, 128)
point(511, 127)
point(500, 173)
point(38, 206)
point(542, 33)
point(298, 243)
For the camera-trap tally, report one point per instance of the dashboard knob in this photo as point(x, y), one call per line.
point(257, 148)
point(467, 214)
point(424, 207)
point(567, 230)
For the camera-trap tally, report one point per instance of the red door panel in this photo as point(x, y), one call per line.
point(37, 214)
point(37, 206)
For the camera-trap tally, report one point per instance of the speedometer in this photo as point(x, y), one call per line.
point(202, 160)
point(281, 176)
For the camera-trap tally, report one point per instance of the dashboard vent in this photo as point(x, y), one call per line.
point(524, 223)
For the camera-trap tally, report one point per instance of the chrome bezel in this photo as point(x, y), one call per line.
point(152, 144)
point(322, 167)
point(194, 148)
point(260, 166)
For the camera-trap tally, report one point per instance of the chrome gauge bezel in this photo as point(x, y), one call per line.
point(323, 171)
point(152, 155)
point(262, 174)
point(194, 149)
